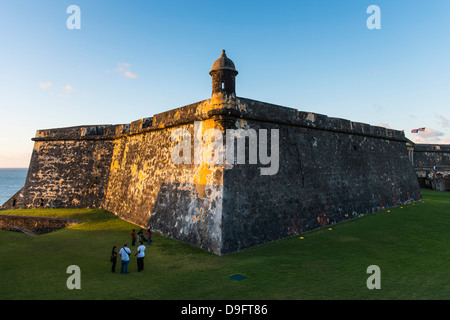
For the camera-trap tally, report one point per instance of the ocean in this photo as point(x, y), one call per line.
point(11, 181)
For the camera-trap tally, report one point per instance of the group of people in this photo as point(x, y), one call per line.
point(125, 252)
point(141, 236)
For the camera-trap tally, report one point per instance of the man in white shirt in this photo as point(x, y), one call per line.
point(140, 256)
point(125, 255)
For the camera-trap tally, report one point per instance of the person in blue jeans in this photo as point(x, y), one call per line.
point(125, 256)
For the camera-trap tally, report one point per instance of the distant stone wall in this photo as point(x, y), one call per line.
point(427, 156)
point(69, 168)
point(34, 225)
point(432, 165)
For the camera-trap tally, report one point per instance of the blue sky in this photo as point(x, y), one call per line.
point(133, 59)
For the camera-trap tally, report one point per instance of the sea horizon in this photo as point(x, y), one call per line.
point(11, 181)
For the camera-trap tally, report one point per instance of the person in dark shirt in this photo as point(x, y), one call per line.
point(133, 238)
point(113, 259)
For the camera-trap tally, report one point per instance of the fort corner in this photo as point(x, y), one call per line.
point(329, 170)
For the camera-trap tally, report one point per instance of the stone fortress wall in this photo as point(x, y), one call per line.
point(432, 165)
point(329, 170)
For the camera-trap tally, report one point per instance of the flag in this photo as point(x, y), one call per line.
point(421, 129)
point(415, 131)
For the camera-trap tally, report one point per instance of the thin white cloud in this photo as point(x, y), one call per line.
point(129, 74)
point(433, 133)
point(45, 85)
point(68, 88)
point(64, 91)
point(444, 122)
point(124, 69)
point(429, 136)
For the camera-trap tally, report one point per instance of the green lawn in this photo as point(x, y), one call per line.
point(410, 244)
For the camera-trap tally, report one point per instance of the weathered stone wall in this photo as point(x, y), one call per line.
point(330, 170)
point(182, 201)
point(69, 168)
point(427, 156)
point(34, 225)
point(432, 166)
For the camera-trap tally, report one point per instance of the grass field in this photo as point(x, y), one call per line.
point(410, 244)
